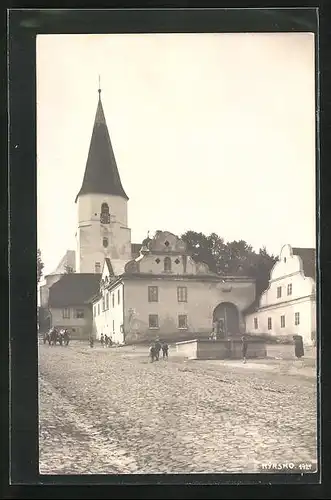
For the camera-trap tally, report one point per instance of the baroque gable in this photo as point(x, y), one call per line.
point(288, 281)
point(166, 255)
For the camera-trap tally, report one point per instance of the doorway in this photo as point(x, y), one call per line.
point(226, 320)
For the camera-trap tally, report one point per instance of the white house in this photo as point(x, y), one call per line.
point(108, 303)
point(288, 306)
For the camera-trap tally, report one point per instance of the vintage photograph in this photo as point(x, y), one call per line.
point(177, 253)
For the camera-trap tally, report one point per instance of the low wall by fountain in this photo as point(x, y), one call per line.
point(220, 349)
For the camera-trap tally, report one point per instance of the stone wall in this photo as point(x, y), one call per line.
point(220, 349)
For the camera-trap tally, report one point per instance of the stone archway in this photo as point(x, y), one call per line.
point(226, 320)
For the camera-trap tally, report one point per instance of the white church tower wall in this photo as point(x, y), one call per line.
point(102, 211)
point(98, 237)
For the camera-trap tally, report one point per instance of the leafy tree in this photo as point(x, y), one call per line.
point(232, 258)
point(40, 266)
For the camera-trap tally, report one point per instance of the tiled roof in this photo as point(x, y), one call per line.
point(101, 172)
point(118, 266)
point(308, 257)
point(73, 289)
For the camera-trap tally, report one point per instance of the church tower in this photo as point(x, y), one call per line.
point(101, 205)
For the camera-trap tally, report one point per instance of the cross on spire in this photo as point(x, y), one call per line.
point(99, 89)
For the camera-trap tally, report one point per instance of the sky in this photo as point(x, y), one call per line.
point(211, 133)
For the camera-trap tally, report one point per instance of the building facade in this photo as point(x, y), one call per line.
point(288, 306)
point(102, 233)
point(164, 293)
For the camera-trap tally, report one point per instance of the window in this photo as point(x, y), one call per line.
point(66, 313)
point(118, 296)
point(167, 264)
point(104, 215)
point(279, 292)
point(182, 294)
point(269, 323)
point(297, 319)
point(182, 321)
point(153, 321)
point(255, 323)
point(79, 313)
point(289, 289)
point(113, 326)
point(98, 308)
point(105, 242)
point(282, 321)
point(94, 310)
point(113, 300)
point(97, 267)
point(107, 300)
point(103, 303)
point(153, 294)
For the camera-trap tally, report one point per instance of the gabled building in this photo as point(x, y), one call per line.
point(288, 306)
point(164, 293)
point(102, 234)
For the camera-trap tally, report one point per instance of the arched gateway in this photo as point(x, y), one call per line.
point(226, 320)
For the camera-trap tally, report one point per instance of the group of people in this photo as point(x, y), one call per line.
point(105, 340)
point(156, 348)
point(54, 336)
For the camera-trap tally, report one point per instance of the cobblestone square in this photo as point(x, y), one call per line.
point(110, 411)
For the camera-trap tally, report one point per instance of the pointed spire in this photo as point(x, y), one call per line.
point(101, 172)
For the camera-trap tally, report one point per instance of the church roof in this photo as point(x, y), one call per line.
point(101, 172)
point(308, 257)
point(73, 289)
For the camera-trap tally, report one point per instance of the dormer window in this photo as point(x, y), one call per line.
point(167, 264)
point(104, 215)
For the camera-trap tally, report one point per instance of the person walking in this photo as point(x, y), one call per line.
point(165, 349)
point(157, 347)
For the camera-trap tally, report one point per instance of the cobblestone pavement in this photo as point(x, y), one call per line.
point(105, 411)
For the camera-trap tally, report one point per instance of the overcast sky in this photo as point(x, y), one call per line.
point(211, 132)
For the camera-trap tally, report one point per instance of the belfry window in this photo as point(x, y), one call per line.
point(104, 215)
point(167, 264)
point(105, 242)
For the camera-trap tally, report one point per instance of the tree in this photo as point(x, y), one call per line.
point(232, 258)
point(40, 266)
